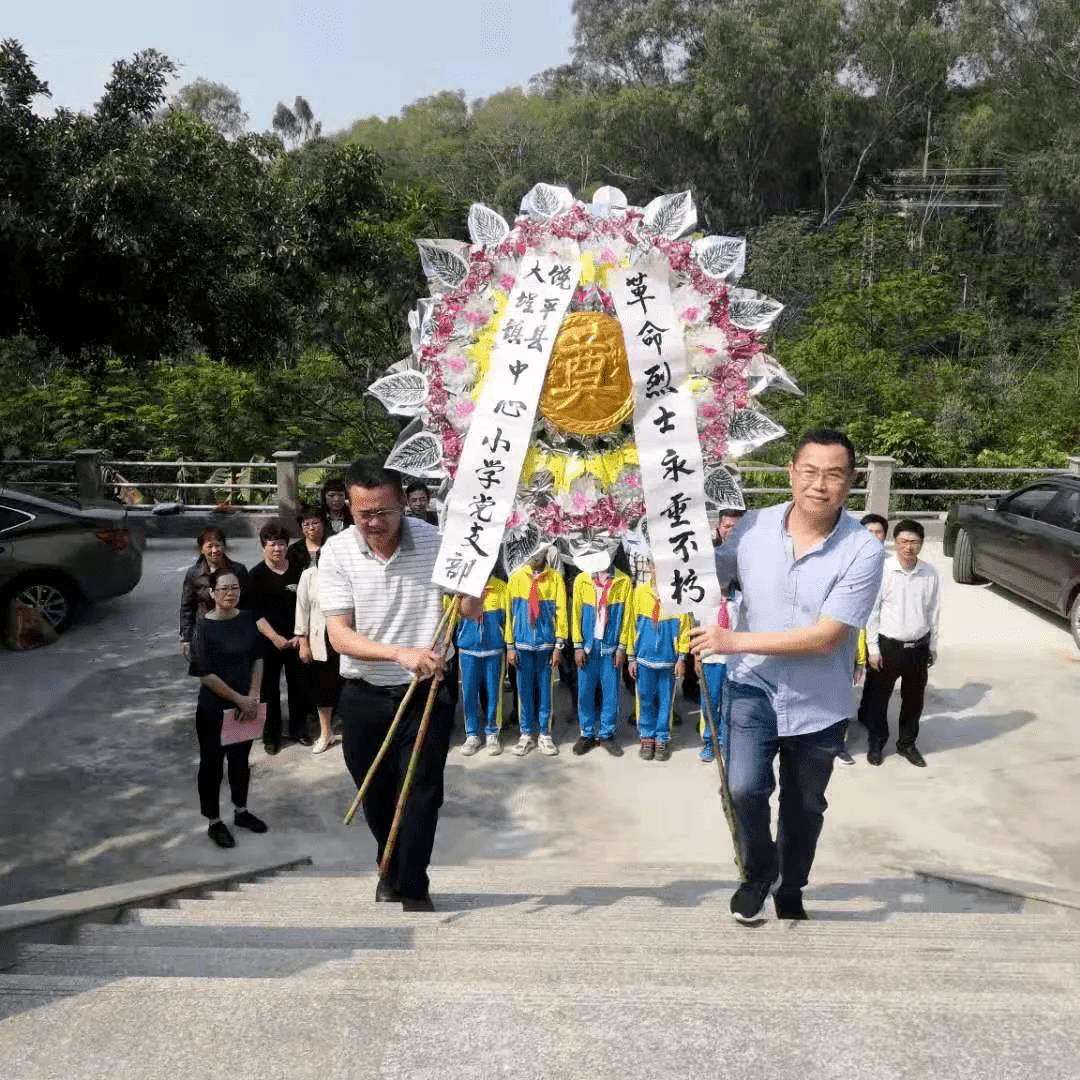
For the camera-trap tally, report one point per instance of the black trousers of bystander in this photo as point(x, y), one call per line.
point(299, 692)
point(212, 758)
point(366, 713)
point(908, 663)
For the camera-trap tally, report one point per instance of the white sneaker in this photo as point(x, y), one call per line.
point(547, 745)
point(321, 745)
point(470, 745)
point(525, 744)
point(494, 747)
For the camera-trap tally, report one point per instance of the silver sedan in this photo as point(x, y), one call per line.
point(56, 555)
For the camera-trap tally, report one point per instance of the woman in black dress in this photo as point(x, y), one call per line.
point(272, 596)
point(333, 500)
point(195, 596)
point(313, 533)
point(226, 654)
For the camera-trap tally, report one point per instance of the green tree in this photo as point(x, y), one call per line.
point(215, 104)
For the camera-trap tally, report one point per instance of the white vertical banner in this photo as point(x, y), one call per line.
point(501, 426)
point(665, 430)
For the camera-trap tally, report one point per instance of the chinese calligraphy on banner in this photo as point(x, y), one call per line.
point(665, 430)
point(501, 427)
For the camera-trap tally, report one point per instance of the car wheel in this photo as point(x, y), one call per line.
point(1074, 619)
point(53, 599)
point(963, 561)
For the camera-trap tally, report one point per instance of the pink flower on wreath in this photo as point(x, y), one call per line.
point(506, 282)
point(579, 501)
point(514, 520)
point(690, 315)
point(455, 363)
point(607, 255)
point(476, 318)
point(632, 479)
point(464, 408)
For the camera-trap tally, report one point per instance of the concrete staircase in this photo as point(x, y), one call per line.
point(532, 968)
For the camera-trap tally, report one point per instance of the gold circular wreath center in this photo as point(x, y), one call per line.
point(588, 390)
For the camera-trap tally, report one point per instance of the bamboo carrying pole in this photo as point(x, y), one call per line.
point(440, 632)
point(418, 744)
point(721, 763)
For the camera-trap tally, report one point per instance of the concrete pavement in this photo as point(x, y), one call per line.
point(98, 757)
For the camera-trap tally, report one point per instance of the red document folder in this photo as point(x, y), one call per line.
point(234, 731)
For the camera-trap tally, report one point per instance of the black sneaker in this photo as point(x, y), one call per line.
point(912, 755)
point(219, 833)
point(247, 820)
point(272, 748)
point(583, 745)
point(789, 906)
point(844, 758)
point(611, 746)
point(663, 751)
point(748, 900)
point(385, 892)
point(873, 757)
point(417, 903)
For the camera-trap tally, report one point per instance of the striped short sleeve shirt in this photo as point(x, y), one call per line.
point(392, 602)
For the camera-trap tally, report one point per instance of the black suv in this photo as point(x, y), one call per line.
point(1027, 541)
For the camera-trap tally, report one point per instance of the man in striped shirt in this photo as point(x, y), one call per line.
point(382, 611)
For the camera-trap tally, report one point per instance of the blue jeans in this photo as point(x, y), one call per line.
point(806, 763)
point(598, 671)
point(534, 690)
point(715, 676)
point(655, 687)
point(477, 671)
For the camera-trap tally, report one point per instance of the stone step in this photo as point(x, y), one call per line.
point(403, 932)
point(914, 968)
point(321, 1029)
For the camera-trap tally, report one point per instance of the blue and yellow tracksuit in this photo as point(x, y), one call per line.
point(714, 676)
point(656, 647)
point(599, 669)
point(481, 646)
point(534, 641)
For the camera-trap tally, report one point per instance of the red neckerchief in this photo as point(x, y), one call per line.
point(604, 587)
point(534, 596)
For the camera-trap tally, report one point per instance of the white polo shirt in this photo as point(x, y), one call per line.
point(392, 602)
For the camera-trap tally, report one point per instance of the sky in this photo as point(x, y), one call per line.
point(350, 60)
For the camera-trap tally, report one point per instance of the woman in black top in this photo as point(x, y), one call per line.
point(195, 596)
point(272, 598)
point(226, 655)
point(302, 552)
point(333, 500)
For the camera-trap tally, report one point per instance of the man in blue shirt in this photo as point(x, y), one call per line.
point(809, 574)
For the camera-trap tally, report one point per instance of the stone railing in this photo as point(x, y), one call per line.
point(95, 479)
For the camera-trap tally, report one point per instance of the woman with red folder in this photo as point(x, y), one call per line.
point(226, 654)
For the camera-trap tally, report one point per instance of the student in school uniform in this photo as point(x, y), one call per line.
point(536, 628)
point(481, 647)
point(656, 652)
point(601, 603)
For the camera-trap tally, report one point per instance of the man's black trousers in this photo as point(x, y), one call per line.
point(908, 664)
point(366, 713)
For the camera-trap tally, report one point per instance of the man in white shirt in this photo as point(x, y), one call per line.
point(901, 643)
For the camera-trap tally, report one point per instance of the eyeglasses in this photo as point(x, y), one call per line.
point(314, 524)
point(908, 541)
point(227, 588)
point(375, 515)
point(277, 543)
point(832, 477)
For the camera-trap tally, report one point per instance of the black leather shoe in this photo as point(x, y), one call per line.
point(247, 820)
point(584, 745)
point(272, 748)
point(219, 833)
point(417, 903)
point(385, 893)
point(873, 757)
point(913, 755)
point(789, 906)
point(611, 746)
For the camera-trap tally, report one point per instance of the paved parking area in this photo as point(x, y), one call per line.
point(98, 757)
